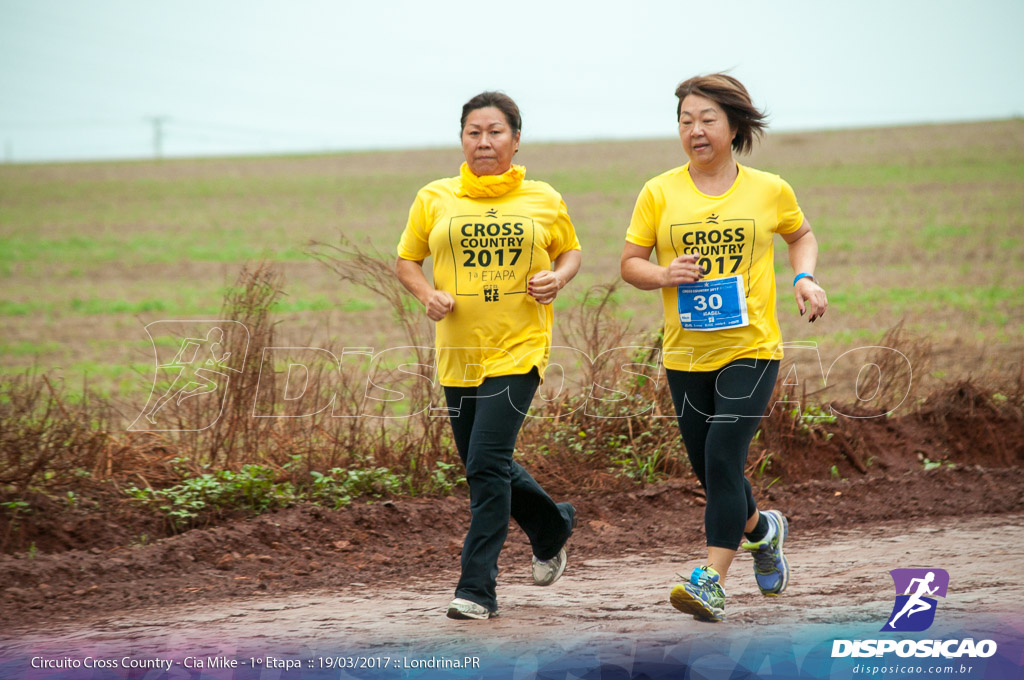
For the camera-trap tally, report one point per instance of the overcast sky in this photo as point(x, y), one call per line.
point(87, 79)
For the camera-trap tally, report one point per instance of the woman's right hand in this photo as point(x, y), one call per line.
point(683, 269)
point(438, 304)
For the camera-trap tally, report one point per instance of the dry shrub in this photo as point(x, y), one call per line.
point(411, 442)
point(980, 424)
point(231, 437)
point(46, 440)
point(592, 327)
point(616, 428)
point(374, 271)
point(890, 376)
point(902, 356)
point(235, 438)
point(967, 400)
point(299, 434)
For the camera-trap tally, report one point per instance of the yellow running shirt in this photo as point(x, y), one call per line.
point(484, 251)
point(733, 235)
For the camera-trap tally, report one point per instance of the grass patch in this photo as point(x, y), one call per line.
point(900, 177)
point(25, 348)
point(158, 248)
point(934, 228)
point(984, 303)
point(192, 304)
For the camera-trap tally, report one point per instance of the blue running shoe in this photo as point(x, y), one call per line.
point(701, 596)
point(770, 566)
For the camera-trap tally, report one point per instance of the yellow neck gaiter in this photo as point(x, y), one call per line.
point(489, 186)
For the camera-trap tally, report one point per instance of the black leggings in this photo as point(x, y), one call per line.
point(718, 413)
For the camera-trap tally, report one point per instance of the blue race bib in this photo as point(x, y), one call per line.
point(713, 305)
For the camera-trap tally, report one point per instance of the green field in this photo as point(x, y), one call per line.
point(918, 224)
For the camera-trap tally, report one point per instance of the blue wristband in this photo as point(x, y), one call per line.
point(804, 275)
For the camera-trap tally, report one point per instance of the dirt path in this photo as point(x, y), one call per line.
point(839, 579)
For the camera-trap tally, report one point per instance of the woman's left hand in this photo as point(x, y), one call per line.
point(810, 297)
point(544, 286)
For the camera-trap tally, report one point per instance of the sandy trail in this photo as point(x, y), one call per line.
point(839, 579)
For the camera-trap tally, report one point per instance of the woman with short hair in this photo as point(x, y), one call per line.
point(711, 224)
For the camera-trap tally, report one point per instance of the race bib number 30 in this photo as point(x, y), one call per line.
point(713, 305)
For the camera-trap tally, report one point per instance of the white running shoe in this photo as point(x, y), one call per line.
point(546, 572)
point(467, 609)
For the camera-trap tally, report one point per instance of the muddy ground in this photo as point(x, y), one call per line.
point(387, 546)
point(839, 579)
point(313, 572)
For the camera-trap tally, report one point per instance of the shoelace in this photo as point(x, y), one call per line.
point(764, 559)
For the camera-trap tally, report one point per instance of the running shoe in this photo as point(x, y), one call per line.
point(467, 609)
point(701, 596)
point(771, 569)
point(546, 572)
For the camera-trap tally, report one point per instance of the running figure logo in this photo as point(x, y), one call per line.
point(201, 366)
point(914, 610)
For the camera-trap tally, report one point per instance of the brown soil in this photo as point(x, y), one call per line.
point(90, 561)
point(839, 581)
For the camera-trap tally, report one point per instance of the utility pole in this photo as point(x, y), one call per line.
point(158, 134)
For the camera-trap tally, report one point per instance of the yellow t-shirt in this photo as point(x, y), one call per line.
point(484, 251)
point(733, 235)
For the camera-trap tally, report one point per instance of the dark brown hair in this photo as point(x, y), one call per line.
point(498, 100)
point(734, 99)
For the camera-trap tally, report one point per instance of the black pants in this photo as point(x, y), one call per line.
point(718, 413)
point(485, 422)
